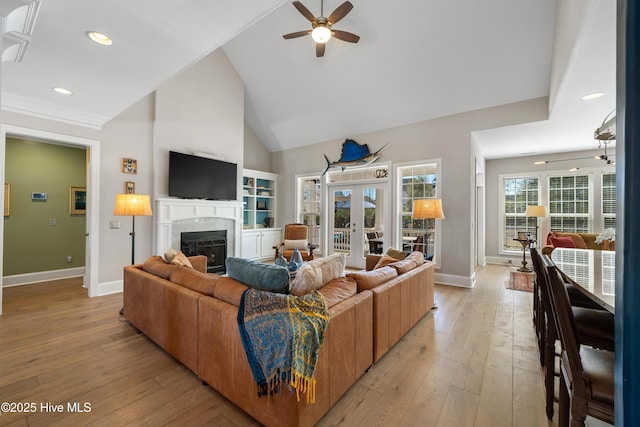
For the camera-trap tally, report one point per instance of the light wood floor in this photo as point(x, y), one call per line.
point(471, 362)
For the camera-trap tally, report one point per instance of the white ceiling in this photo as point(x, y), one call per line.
point(416, 60)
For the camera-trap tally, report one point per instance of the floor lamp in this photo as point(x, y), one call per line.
point(427, 209)
point(536, 212)
point(133, 205)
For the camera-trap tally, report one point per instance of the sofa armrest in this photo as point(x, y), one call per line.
point(547, 249)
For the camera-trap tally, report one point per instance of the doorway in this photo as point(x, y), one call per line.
point(92, 146)
point(357, 211)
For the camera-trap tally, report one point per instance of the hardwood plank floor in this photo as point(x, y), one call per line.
point(473, 361)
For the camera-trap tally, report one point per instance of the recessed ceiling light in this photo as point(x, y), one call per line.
point(100, 38)
point(592, 96)
point(62, 91)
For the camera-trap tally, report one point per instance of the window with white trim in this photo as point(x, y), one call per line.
point(518, 193)
point(569, 203)
point(608, 200)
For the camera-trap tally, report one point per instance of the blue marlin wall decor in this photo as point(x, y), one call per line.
point(353, 155)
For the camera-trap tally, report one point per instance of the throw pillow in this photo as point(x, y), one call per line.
point(301, 245)
point(181, 259)
point(170, 254)
point(373, 278)
point(417, 257)
point(396, 253)
point(578, 241)
point(257, 275)
point(562, 242)
point(155, 265)
point(317, 273)
point(194, 280)
point(384, 261)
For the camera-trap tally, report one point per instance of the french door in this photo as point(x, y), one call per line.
point(357, 210)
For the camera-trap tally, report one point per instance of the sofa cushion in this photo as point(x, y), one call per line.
point(373, 278)
point(315, 274)
point(417, 257)
point(156, 265)
point(229, 290)
point(301, 245)
point(562, 242)
point(338, 290)
point(194, 280)
point(257, 275)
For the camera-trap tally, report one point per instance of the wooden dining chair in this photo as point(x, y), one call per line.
point(586, 381)
point(595, 327)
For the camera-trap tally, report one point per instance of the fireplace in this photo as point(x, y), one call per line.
point(212, 244)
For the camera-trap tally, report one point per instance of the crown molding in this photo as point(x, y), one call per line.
point(15, 46)
point(19, 15)
point(31, 107)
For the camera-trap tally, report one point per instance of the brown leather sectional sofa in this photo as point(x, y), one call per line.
point(193, 316)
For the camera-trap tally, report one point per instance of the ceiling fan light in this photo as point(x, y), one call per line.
point(321, 34)
point(100, 38)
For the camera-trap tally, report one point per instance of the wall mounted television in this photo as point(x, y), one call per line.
point(195, 177)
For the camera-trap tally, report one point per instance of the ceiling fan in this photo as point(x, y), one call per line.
point(604, 135)
point(321, 28)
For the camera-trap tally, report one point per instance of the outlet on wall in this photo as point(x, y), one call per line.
point(69, 258)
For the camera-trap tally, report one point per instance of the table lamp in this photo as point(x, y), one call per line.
point(134, 205)
point(536, 212)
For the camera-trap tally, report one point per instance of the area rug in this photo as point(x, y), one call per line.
point(520, 281)
point(282, 335)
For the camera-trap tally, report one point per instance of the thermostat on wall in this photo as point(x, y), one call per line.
point(38, 196)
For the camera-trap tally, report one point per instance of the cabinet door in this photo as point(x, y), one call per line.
point(270, 238)
point(250, 245)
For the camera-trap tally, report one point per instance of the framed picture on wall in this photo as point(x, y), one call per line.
point(130, 187)
point(77, 200)
point(7, 199)
point(129, 165)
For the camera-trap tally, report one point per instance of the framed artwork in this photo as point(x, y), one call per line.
point(77, 200)
point(261, 205)
point(7, 199)
point(130, 187)
point(129, 165)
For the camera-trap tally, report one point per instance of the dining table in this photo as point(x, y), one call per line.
point(591, 271)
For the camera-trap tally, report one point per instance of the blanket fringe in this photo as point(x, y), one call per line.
point(305, 385)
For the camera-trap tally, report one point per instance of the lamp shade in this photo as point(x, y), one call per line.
point(428, 209)
point(133, 205)
point(536, 211)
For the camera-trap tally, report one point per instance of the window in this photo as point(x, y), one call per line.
point(309, 208)
point(518, 193)
point(418, 182)
point(569, 203)
point(608, 200)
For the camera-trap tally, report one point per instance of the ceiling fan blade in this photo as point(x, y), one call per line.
point(320, 49)
point(345, 36)
point(340, 12)
point(296, 34)
point(304, 11)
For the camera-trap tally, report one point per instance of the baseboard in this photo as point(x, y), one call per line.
point(41, 276)
point(504, 261)
point(108, 288)
point(453, 280)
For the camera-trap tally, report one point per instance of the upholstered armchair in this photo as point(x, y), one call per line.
point(295, 237)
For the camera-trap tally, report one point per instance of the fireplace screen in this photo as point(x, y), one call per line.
point(212, 244)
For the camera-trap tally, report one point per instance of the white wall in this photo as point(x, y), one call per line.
point(447, 138)
point(256, 155)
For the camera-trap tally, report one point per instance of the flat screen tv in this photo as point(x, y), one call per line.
point(195, 177)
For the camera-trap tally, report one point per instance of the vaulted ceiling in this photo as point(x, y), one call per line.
point(416, 60)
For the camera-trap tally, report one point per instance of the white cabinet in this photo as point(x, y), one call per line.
point(258, 244)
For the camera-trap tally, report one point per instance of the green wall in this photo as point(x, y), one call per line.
point(31, 244)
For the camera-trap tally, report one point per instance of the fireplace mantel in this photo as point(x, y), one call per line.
point(176, 215)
